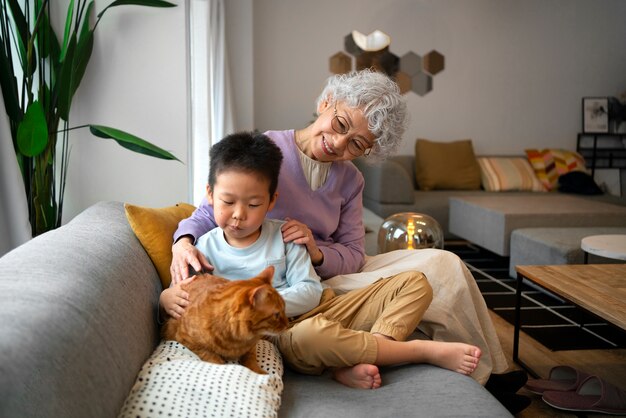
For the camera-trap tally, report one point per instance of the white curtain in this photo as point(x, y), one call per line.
point(14, 224)
point(211, 98)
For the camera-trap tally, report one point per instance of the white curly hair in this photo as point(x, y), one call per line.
point(379, 98)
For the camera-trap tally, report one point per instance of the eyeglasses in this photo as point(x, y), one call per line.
point(356, 147)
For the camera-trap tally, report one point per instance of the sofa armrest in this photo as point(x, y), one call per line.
point(78, 307)
point(386, 181)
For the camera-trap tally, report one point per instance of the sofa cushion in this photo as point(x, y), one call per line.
point(408, 390)
point(508, 174)
point(549, 164)
point(446, 165)
point(154, 227)
point(174, 382)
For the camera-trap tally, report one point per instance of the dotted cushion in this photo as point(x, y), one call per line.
point(503, 174)
point(549, 164)
point(174, 382)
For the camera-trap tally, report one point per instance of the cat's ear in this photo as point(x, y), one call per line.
point(258, 295)
point(267, 275)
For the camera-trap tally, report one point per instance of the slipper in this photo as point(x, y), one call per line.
point(593, 395)
point(562, 379)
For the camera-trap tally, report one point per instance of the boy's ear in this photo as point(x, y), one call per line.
point(209, 194)
point(272, 201)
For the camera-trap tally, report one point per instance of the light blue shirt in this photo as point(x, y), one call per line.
point(294, 275)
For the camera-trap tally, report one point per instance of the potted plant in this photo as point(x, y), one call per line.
point(39, 75)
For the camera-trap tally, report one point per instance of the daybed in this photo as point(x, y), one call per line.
point(78, 307)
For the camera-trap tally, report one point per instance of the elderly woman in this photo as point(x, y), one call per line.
point(320, 196)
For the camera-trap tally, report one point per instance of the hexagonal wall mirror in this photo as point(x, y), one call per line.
point(411, 72)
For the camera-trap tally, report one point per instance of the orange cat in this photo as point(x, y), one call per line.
point(226, 318)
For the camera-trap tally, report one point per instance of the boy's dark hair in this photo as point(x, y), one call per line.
point(246, 151)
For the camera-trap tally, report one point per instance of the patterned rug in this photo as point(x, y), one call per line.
point(553, 322)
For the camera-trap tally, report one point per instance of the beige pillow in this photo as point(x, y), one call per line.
point(155, 227)
point(501, 174)
point(446, 165)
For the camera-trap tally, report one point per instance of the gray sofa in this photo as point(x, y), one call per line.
point(391, 187)
point(78, 309)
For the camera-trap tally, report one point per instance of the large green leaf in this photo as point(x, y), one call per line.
point(84, 48)
point(23, 34)
point(41, 32)
point(67, 31)
point(8, 84)
point(63, 86)
point(150, 3)
point(32, 132)
point(131, 142)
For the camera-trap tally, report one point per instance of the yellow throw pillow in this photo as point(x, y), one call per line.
point(154, 227)
point(446, 165)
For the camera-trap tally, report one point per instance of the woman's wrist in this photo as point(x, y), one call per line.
point(317, 261)
point(187, 237)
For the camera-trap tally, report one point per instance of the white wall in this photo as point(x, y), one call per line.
point(136, 81)
point(515, 74)
point(515, 71)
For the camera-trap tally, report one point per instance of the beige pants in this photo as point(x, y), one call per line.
point(338, 333)
point(458, 311)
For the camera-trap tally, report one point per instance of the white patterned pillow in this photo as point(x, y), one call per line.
point(174, 382)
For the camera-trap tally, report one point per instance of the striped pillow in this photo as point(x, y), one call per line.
point(549, 164)
point(499, 174)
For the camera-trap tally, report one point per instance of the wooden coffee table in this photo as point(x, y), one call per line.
point(599, 289)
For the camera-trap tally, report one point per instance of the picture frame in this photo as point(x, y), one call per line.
point(595, 114)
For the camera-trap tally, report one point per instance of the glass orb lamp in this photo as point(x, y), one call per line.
point(409, 230)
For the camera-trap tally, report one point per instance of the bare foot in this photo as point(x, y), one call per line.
point(361, 376)
point(458, 357)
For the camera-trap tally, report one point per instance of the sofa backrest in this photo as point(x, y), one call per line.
point(407, 162)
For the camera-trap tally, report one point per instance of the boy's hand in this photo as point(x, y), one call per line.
point(184, 254)
point(174, 299)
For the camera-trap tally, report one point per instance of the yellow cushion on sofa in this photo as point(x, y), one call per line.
point(446, 165)
point(154, 227)
point(549, 164)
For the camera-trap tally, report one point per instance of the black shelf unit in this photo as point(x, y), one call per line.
point(602, 150)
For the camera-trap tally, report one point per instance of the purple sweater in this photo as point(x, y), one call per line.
point(334, 212)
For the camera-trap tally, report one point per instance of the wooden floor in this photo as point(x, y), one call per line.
point(607, 364)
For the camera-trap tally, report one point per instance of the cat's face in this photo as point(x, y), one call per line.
point(268, 306)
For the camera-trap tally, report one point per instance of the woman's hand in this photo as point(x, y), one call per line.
point(174, 300)
point(184, 254)
point(299, 233)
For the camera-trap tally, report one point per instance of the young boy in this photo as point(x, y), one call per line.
point(243, 178)
point(352, 333)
